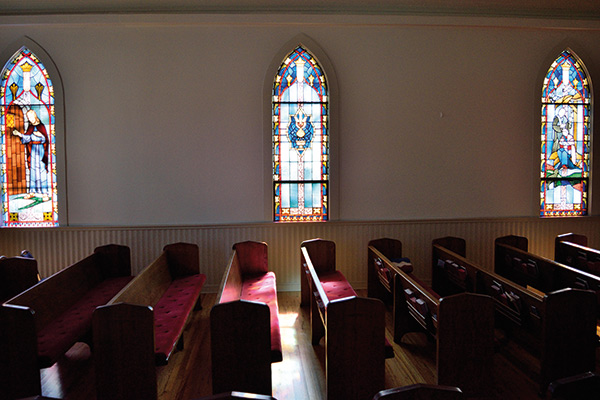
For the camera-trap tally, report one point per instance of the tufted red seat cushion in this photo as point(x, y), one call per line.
point(59, 335)
point(171, 312)
point(262, 288)
point(335, 285)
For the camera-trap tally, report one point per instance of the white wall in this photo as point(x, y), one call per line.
point(438, 117)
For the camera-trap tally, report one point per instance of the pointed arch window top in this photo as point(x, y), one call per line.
point(566, 81)
point(300, 67)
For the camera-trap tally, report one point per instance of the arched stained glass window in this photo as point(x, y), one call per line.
point(565, 155)
point(28, 143)
point(300, 140)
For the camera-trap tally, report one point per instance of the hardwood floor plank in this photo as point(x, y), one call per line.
point(301, 373)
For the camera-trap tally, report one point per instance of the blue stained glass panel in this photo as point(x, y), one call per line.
point(28, 142)
point(565, 138)
point(300, 139)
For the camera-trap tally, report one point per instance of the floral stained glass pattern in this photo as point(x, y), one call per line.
point(300, 140)
point(565, 152)
point(28, 143)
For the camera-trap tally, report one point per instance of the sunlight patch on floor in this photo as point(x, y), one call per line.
point(286, 375)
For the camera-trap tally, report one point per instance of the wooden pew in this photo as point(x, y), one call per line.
point(421, 391)
point(572, 250)
point(353, 327)
point(542, 323)
point(142, 325)
point(462, 324)
point(513, 261)
point(17, 274)
point(244, 322)
point(44, 321)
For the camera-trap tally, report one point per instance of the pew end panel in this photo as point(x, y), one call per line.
point(356, 323)
point(241, 347)
point(569, 329)
point(17, 274)
point(19, 379)
point(124, 345)
point(465, 343)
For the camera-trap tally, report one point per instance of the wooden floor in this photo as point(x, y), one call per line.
point(300, 375)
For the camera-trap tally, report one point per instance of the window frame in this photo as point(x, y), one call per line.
point(540, 166)
point(59, 124)
point(327, 68)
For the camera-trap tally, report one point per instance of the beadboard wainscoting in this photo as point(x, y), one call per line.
point(56, 248)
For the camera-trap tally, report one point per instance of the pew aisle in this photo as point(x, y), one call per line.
point(301, 373)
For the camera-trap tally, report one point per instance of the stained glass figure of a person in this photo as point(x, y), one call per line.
point(563, 147)
point(36, 141)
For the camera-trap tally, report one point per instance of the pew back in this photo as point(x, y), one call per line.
point(106, 262)
point(572, 250)
point(541, 322)
point(528, 269)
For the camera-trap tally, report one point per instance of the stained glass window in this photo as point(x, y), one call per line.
point(300, 140)
point(28, 143)
point(565, 152)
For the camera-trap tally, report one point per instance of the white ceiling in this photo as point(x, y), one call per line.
point(564, 9)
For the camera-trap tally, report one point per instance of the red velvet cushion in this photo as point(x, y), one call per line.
point(171, 312)
point(262, 288)
point(59, 335)
point(336, 286)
